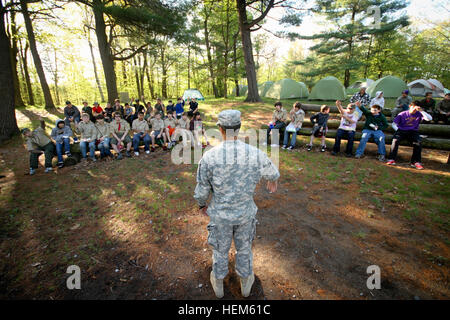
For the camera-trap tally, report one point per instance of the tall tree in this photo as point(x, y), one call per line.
point(24, 60)
point(36, 58)
point(261, 7)
point(351, 27)
point(8, 122)
point(141, 16)
point(14, 53)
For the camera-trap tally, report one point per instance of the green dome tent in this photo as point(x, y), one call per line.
point(264, 87)
point(193, 93)
point(357, 85)
point(305, 91)
point(329, 88)
point(391, 86)
point(242, 90)
point(286, 89)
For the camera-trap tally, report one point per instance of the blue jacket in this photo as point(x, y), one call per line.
point(179, 108)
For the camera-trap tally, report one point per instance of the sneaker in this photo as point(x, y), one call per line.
point(128, 154)
point(333, 153)
point(348, 155)
point(417, 165)
point(390, 162)
point(94, 159)
point(75, 140)
point(217, 285)
point(119, 156)
point(290, 148)
point(323, 148)
point(358, 156)
point(246, 285)
point(381, 157)
point(283, 147)
point(147, 151)
point(136, 154)
point(49, 169)
point(308, 147)
point(32, 171)
point(153, 149)
point(164, 148)
point(68, 154)
point(60, 164)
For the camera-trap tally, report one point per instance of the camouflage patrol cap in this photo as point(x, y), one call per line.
point(229, 118)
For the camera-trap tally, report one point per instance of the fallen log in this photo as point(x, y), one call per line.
point(429, 142)
point(434, 130)
point(334, 109)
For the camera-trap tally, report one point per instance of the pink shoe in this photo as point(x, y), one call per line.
point(390, 162)
point(417, 165)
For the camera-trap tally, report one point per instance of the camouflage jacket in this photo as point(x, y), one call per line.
point(231, 171)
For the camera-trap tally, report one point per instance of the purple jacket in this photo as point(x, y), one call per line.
point(407, 121)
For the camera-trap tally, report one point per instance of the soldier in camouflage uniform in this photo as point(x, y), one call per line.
point(230, 171)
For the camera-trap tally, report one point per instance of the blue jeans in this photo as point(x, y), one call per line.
point(83, 147)
point(379, 138)
point(60, 146)
point(137, 138)
point(350, 137)
point(75, 119)
point(293, 139)
point(104, 148)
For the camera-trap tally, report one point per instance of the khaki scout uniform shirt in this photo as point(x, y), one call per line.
point(183, 124)
point(87, 130)
point(280, 115)
point(140, 126)
point(157, 125)
point(124, 126)
point(104, 130)
point(38, 139)
point(170, 122)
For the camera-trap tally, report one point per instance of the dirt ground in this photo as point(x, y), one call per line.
point(141, 237)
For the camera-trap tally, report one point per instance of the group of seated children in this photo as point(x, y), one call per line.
point(405, 125)
point(115, 131)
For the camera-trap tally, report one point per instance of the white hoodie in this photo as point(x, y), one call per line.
point(377, 100)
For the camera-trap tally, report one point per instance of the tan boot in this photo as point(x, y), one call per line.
point(246, 285)
point(217, 285)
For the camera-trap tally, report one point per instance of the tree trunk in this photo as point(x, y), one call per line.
point(189, 67)
point(14, 52)
point(252, 92)
point(97, 80)
point(49, 105)
point(142, 72)
point(235, 68)
point(124, 74)
point(163, 73)
point(24, 58)
point(58, 102)
point(105, 52)
point(8, 122)
point(210, 62)
point(150, 80)
point(136, 74)
point(368, 57)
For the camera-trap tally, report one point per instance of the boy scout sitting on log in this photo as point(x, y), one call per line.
point(38, 143)
point(88, 132)
point(230, 171)
point(119, 131)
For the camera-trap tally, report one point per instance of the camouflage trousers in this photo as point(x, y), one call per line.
point(220, 237)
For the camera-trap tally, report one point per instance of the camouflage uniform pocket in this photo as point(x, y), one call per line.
point(212, 236)
point(254, 223)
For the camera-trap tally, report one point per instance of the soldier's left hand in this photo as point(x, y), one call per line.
point(203, 211)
